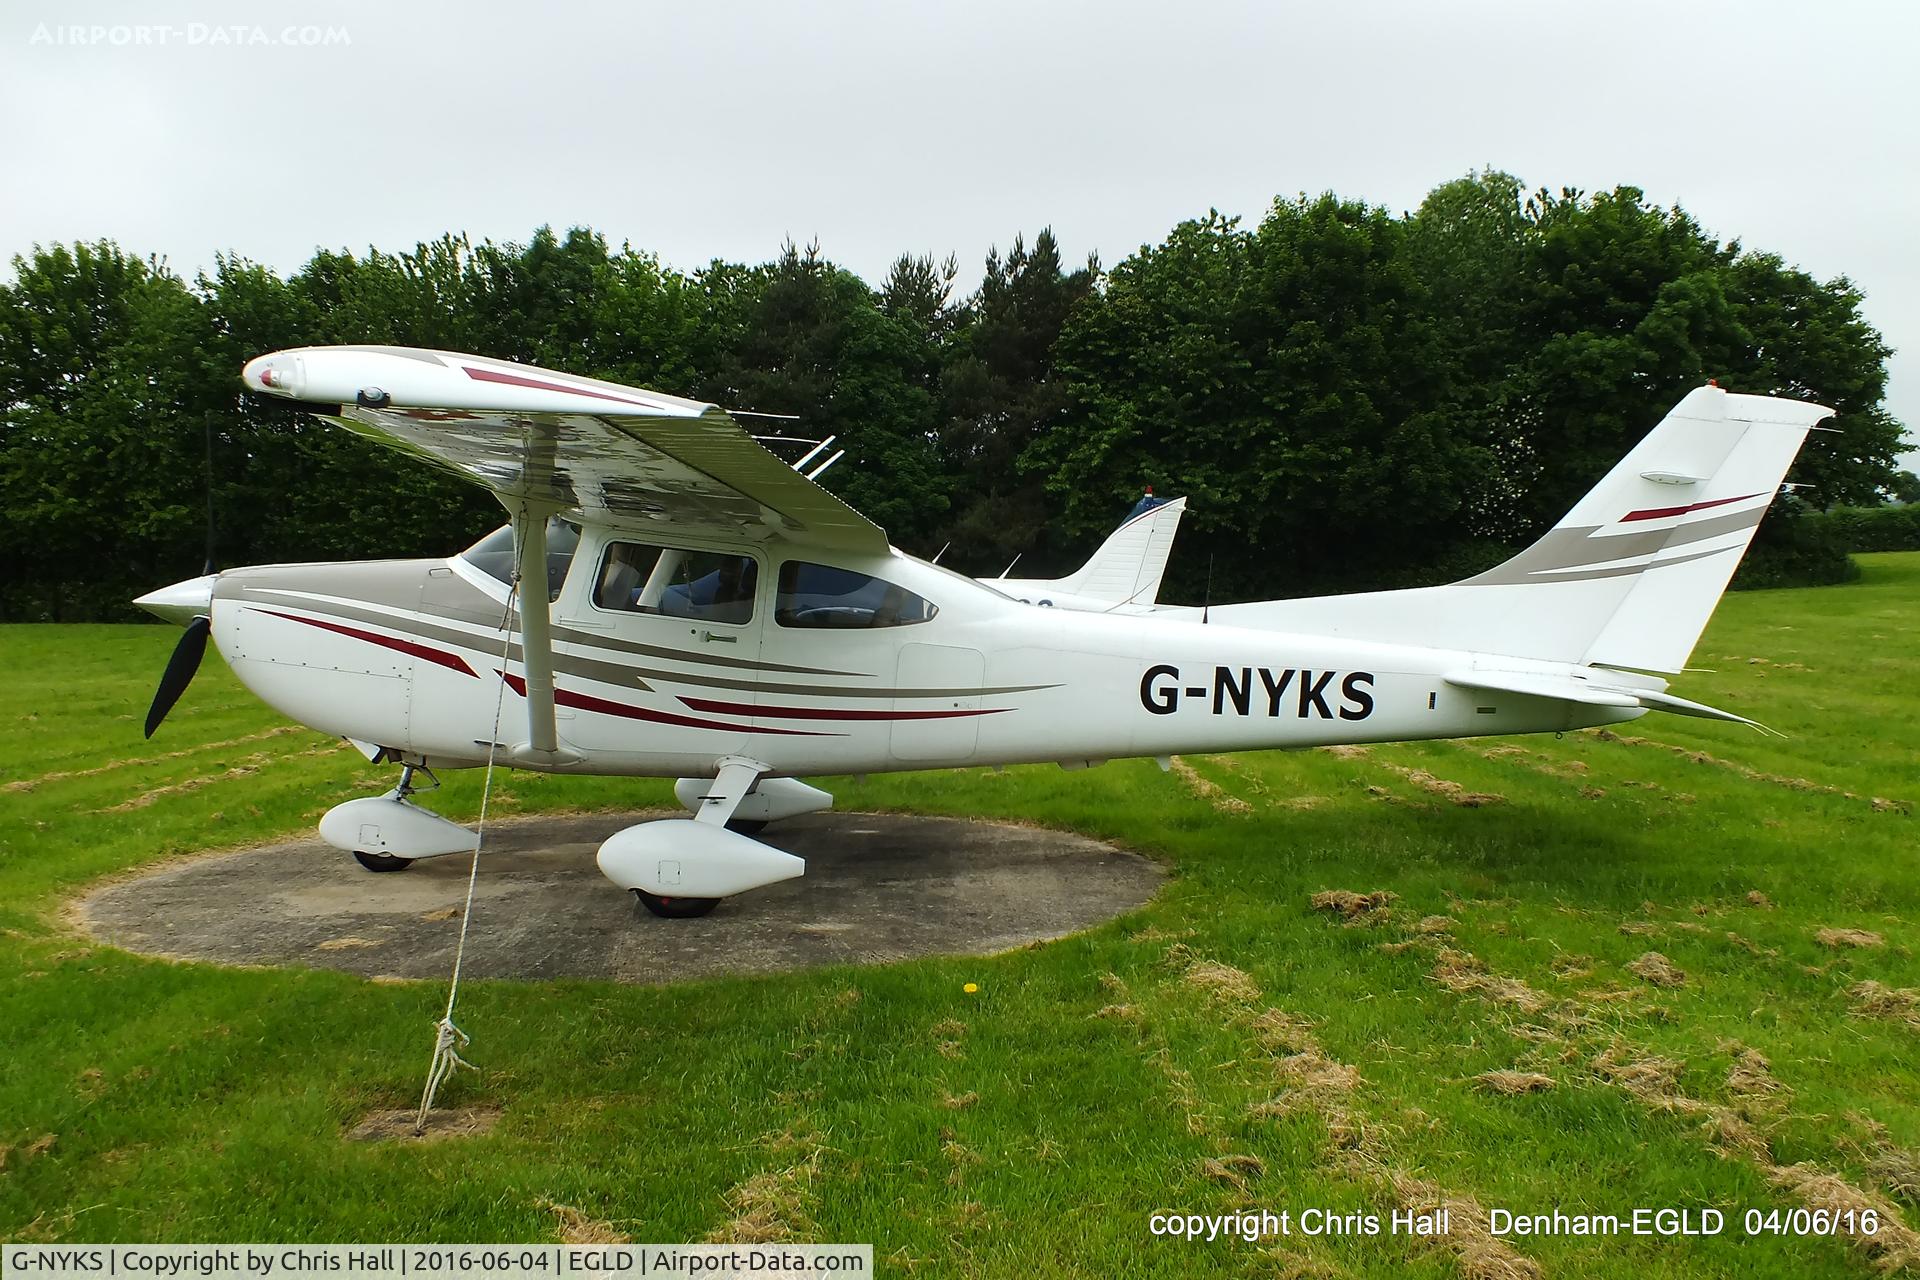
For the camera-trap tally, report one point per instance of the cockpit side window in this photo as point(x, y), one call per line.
point(707, 586)
point(493, 555)
point(820, 595)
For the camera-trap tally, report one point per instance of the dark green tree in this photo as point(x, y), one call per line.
point(806, 337)
point(1000, 392)
point(1288, 379)
point(105, 387)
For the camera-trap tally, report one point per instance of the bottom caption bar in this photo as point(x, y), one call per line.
point(457, 1261)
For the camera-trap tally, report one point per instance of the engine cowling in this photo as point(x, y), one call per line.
point(680, 858)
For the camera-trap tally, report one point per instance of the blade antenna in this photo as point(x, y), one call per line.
point(1206, 600)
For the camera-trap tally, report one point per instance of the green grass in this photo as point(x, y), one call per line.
point(192, 1102)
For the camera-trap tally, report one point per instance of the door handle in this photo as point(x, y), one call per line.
point(715, 637)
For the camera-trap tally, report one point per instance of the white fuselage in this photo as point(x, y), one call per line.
point(409, 655)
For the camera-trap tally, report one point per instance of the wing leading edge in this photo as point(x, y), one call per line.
point(600, 452)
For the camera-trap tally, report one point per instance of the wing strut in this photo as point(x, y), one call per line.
point(536, 638)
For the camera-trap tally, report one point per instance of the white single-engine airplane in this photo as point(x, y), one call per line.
point(691, 607)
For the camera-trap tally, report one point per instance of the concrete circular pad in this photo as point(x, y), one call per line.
point(877, 888)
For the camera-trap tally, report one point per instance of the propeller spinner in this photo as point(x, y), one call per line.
point(189, 603)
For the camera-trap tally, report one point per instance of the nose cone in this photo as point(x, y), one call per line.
point(183, 601)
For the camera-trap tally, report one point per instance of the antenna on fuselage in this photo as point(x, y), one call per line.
point(1206, 600)
point(1009, 569)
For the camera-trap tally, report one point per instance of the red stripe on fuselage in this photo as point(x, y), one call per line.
point(825, 713)
point(605, 706)
point(440, 656)
point(1660, 513)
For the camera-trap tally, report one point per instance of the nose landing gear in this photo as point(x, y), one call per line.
point(384, 862)
point(387, 833)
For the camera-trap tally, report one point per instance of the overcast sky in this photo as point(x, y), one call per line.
point(703, 130)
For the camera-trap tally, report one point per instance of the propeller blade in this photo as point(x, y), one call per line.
point(180, 668)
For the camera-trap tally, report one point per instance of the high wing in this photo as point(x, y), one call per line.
point(592, 450)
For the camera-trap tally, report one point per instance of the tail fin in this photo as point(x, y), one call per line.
point(1129, 565)
point(1628, 578)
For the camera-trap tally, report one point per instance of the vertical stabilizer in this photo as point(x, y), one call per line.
point(1129, 565)
point(1628, 578)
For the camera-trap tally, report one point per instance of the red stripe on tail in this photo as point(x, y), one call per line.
point(1660, 513)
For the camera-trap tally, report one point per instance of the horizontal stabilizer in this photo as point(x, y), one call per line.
point(1564, 688)
point(1587, 692)
point(1687, 707)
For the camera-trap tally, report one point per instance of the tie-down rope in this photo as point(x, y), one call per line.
point(449, 1039)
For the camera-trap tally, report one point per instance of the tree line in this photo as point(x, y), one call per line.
point(1351, 397)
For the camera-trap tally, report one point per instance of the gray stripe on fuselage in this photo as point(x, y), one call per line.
point(711, 660)
point(834, 690)
point(572, 664)
point(619, 673)
point(396, 584)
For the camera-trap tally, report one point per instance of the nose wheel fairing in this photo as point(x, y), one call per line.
point(386, 832)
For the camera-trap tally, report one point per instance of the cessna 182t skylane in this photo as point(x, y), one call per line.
point(707, 613)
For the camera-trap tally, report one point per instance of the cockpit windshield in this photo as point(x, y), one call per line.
point(493, 554)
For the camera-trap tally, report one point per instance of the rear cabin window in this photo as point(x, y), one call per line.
point(819, 595)
point(705, 586)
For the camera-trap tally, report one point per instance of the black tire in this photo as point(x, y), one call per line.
point(747, 826)
point(675, 908)
point(381, 861)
